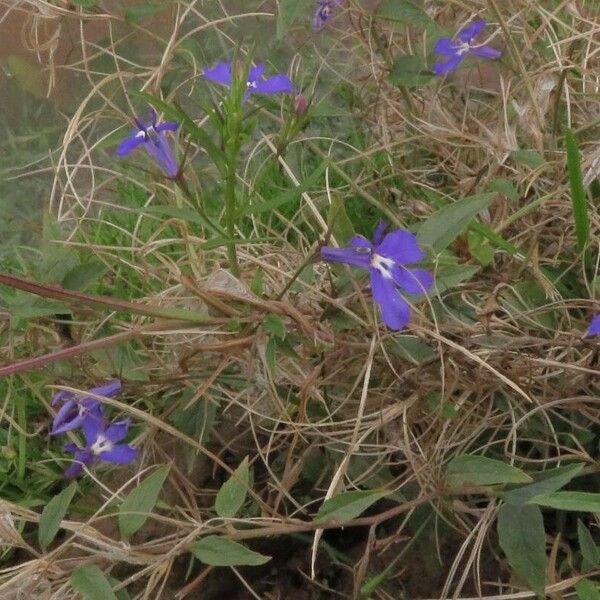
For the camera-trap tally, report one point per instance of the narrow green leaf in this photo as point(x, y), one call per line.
point(339, 222)
point(91, 583)
point(505, 187)
point(289, 11)
point(54, 512)
point(589, 550)
point(545, 482)
point(348, 505)
point(578, 195)
point(575, 501)
point(273, 324)
point(79, 278)
point(480, 470)
point(529, 158)
point(220, 551)
point(587, 590)
point(232, 494)
point(522, 538)
point(138, 504)
point(445, 225)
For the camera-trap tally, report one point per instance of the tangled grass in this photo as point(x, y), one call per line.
point(287, 364)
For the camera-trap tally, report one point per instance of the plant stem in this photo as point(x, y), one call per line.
point(230, 215)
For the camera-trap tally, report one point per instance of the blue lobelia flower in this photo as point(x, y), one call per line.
point(324, 12)
point(256, 84)
point(456, 50)
point(153, 138)
point(101, 444)
point(386, 258)
point(594, 328)
point(73, 411)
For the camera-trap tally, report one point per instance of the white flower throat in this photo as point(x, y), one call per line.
point(102, 444)
point(383, 265)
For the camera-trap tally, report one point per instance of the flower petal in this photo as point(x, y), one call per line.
point(446, 47)
point(442, 68)
point(122, 454)
point(109, 389)
point(160, 150)
point(117, 431)
point(167, 126)
point(471, 31)
point(378, 233)
point(221, 73)
point(395, 311)
point(92, 426)
point(256, 72)
point(360, 241)
point(278, 84)
point(61, 396)
point(348, 256)
point(129, 144)
point(82, 457)
point(412, 281)
point(594, 328)
point(485, 52)
point(64, 417)
point(401, 246)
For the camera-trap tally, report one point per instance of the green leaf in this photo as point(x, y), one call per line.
point(411, 71)
point(54, 512)
point(445, 225)
point(91, 583)
point(138, 504)
point(589, 550)
point(348, 505)
point(406, 12)
point(449, 276)
point(274, 325)
point(289, 11)
point(480, 470)
point(232, 494)
point(545, 482)
point(27, 75)
point(575, 501)
point(506, 187)
point(578, 196)
point(137, 12)
point(529, 158)
point(339, 222)
point(220, 551)
point(587, 590)
point(522, 538)
point(480, 248)
point(79, 278)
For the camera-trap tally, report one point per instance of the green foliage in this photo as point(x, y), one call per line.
point(54, 512)
point(480, 470)
point(578, 196)
point(411, 72)
point(522, 538)
point(571, 501)
point(91, 583)
point(233, 492)
point(138, 504)
point(587, 590)
point(220, 551)
point(348, 505)
point(589, 550)
point(406, 12)
point(289, 12)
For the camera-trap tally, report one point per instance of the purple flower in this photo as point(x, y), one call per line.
point(73, 411)
point(324, 12)
point(386, 258)
point(594, 328)
point(256, 84)
point(152, 136)
point(457, 50)
point(101, 444)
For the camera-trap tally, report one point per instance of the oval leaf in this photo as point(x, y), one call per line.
point(348, 505)
point(589, 550)
point(220, 551)
point(233, 492)
point(54, 512)
point(445, 225)
point(91, 583)
point(587, 590)
point(139, 503)
point(480, 470)
point(522, 538)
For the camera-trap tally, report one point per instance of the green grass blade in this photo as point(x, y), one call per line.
point(578, 196)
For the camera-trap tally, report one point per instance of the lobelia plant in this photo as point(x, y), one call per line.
point(73, 411)
point(456, 50)
point(386, 259)
point(152, 137)
point(101, 445)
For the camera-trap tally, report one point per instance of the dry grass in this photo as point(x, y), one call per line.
point(504, 348)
